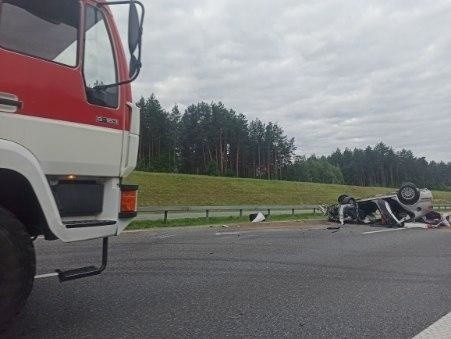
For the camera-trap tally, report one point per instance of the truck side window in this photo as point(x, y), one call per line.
point(99, 62)
point(47, 29)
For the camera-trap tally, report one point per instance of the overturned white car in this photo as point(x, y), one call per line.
point(407, 204)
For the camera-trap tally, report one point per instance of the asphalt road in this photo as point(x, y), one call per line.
point(239, 282)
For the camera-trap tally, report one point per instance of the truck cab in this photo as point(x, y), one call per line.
point(69, 130)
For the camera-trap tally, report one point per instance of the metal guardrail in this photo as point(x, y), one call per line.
point(165, 210)
point(442, 207)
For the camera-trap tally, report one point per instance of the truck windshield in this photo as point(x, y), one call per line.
point(46, 29)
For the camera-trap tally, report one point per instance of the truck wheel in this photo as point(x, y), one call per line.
point(17, 267)
point(408, 194)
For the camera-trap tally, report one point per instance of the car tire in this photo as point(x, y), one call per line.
point(341, 198)
point(352, 201)
point(17, 267)
point(408, 194)
point(348, 200)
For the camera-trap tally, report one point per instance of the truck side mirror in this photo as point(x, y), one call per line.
point(135, 29)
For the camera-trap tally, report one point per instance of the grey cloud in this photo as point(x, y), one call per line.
point(332, 73)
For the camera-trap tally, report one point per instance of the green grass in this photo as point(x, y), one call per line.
point(159, 189)
point(139, 225)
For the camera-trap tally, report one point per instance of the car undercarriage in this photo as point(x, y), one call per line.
point(407, 204)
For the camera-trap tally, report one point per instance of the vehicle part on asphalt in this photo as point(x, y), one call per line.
point(408, 204)
point(257, 217)
point(434, 219)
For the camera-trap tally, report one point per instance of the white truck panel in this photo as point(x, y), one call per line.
point(65, 148)
point(17, 158)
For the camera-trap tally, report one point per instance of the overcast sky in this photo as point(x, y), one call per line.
point(331, 73)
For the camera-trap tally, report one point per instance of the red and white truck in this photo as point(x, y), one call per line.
point(69, 132)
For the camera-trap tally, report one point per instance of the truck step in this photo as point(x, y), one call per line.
point(87, 271)
point(88, 223)
point(77, 273)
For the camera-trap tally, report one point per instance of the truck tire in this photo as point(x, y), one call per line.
point(17, 267)
point(408, 194)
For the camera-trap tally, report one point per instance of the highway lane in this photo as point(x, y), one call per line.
point(215, 282)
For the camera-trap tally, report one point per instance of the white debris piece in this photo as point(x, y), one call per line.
point(259, 218)
point(415, 225)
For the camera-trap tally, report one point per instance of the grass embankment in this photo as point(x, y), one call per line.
point(139, 225)
point(158, 189)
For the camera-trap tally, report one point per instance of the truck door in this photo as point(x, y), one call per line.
point(55, 56)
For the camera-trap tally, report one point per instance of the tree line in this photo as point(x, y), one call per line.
point(382, 166)
point(211, 139)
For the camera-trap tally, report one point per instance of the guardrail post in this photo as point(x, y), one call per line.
point(241, 212)
point(207, 215)
point(165, 217)
point(314, 211)
point(269, 211)
point(292, 211)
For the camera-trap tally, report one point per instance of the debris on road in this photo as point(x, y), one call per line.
point(257, 217)
point(407, 205)
point(335, 229)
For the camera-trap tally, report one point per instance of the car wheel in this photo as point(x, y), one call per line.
point(349, 200)
point(341, 198)
point(408, 194)
point(17, 267)
point(352, 201)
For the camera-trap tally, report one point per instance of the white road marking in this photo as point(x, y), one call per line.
point(438, 330)
point(139, 231)
point(48, 275)
point(166, 236)
point(227, 233)
point(386, 230)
